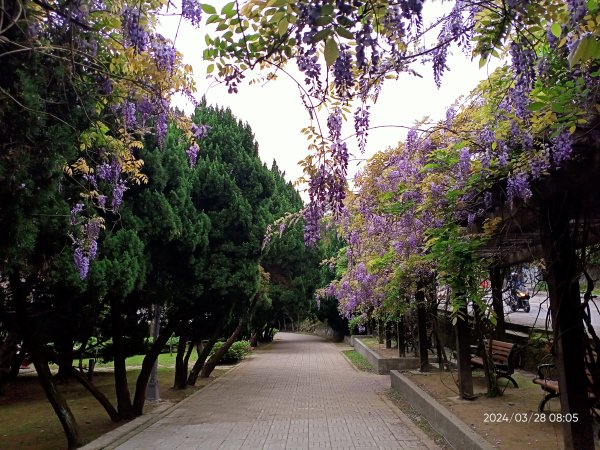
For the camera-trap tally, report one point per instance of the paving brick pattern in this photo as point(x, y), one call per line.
point(301, 393)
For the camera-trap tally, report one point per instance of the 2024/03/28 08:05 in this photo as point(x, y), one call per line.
point(525, 417)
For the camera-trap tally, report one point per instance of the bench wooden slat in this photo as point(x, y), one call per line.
point(503, 355)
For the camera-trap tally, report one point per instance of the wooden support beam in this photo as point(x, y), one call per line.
point(567, 322)
point(496, 279)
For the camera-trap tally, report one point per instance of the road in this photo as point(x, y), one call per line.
point(539, 313)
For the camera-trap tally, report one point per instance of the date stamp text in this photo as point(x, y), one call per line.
point(529, 417)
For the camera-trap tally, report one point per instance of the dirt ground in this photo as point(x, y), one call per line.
point(480, 414)
point(27, 421)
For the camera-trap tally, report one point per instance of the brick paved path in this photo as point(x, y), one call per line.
point(300, 393)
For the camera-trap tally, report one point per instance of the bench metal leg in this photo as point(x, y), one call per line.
point(509, 378)
point(545, 400)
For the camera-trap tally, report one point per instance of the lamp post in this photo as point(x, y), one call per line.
point(152, 391)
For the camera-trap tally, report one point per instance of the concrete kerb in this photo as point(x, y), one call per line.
point(383, 365)
point(118, 436)
point(409, 423)
point(456, 432)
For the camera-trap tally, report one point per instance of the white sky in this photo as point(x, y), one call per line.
point(276, 114)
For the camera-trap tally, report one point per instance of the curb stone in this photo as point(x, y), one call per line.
point(454, 430)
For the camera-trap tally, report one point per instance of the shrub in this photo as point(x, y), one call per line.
point(236, 352)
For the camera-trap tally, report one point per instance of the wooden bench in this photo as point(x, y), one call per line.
point(504, 355)
point(547, 379)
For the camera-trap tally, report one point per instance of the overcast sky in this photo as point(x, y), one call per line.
point(276, 114)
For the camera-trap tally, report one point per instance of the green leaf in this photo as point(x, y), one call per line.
point(208, 9)
point(482, 61)
point(228, 9)
point(210, 68)
point(556, 29)
point(535, 106)
point(321, 35)
point(558, 108)
point(212, 19)
point(282, 27)
point(588, 48)
point(324, 20)
point(331, 51)
point(343, 32)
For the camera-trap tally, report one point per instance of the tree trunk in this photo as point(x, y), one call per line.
point(186, 360)
point(211, 363)
point(401, 338)
point(441, 354)
point(65, 355)
point(422, 328)
point(193, 376)
point(567, 322)
point(147, 364)
point(496, 277)
point(181, 367)
point(388, 335)
point(58, 402)
point(108, 407)
point(380, 331)
point(463, 350)
point(124, 405)
point(8, 355)
point(20, 292)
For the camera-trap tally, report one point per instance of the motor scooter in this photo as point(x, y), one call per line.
point(519, 299)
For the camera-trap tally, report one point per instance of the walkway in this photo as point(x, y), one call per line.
point(300, 393)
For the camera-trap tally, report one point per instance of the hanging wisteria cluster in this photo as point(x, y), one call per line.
point(129, 72)
point(345, 51)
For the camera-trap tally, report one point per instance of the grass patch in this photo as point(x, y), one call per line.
point(358, 360)
point(164, 360)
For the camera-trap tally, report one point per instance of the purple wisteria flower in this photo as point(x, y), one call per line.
point(82, 262)
point(192, 11)
point(161, 128)
point(192, 154)
point(361, 126)
point(538, 164)
point(342, 72)
point(128, 111)
point(200, 131)
point(487, 200)
point(523, 66)
point(164, 53)
point(75, 212)
point(117, 194)
point(517, 187)
point(577, 10)
point(135, 35)
point(562, 148)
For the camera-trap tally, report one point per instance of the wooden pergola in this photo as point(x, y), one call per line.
point(562, 217)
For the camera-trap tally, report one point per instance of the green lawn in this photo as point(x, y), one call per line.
point(358, 360)
point(164, 360)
